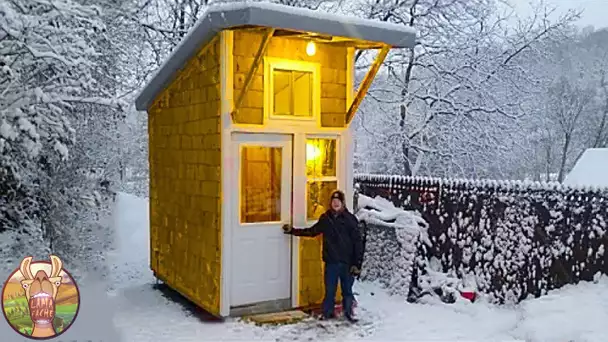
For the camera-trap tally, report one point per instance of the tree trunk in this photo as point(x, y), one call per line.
point(565, 149)
point(405, 145)
point(121, 171)
point(417, 164)
point(600, 131)
point(548, 164)
point(405, 151)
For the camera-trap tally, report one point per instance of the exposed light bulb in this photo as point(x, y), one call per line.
point(312, 152)
point(311, 49)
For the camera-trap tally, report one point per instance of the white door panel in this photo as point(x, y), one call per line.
point(261, 253)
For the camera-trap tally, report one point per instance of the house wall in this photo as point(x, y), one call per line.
point(333, 75)
point(333, 61)
point(185, 160)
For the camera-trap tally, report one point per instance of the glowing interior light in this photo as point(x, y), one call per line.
point(312, 152)
point(311, 49)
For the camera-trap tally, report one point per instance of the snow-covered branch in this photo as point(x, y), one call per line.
point(459, 92)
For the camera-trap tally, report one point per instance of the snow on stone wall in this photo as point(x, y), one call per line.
point(391, 242)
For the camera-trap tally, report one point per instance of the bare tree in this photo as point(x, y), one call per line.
point(595, 54)
point(455, 99)
point(568, 103)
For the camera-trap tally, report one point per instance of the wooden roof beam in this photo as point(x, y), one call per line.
point(254, 68)
point(367, 82)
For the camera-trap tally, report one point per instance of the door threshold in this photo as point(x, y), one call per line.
point(278, 318)
point(269, 306)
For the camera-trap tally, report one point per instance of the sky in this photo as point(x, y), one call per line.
point(595, 12)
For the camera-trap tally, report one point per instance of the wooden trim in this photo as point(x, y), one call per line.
point(349, 160)
point(288, 126)
point(227, 76)
point(367, 82)
point(254, 68)
point(298, 210)
point(350, 77)
point(226, 187)
point(324, 178)
point(347, 137)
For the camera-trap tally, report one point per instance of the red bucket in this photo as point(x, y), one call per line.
point(468, 295)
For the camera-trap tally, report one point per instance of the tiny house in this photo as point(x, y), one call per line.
point(249, 129)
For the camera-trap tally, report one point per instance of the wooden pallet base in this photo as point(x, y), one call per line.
point(284, 317)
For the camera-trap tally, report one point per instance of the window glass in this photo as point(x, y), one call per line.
point(320, 158)
point(302, 89)
point(292, 93)
point(321, 175)
point(318, 194)
point(260, 184)
point(282, 92)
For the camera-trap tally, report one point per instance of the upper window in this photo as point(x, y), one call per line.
point(292, 93)
point(292, 89)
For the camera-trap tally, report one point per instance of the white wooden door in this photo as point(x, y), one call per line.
point(261, 253)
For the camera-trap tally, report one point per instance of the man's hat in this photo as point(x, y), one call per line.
point(337, 194)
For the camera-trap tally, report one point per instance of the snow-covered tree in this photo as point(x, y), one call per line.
point(57, 81)
point(568, 110)
point(452, 105)
point(568, 103)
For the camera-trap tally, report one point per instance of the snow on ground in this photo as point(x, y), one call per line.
point(574, 313)
point(129, 259)
point(143, 313)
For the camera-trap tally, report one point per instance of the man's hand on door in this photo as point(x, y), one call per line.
point(287, 228)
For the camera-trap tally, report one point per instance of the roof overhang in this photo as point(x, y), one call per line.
point(289, 21)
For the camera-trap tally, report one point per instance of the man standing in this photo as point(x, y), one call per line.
point(342, 252)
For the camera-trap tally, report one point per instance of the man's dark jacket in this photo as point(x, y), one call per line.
point(341, 237)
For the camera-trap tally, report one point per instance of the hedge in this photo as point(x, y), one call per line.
point(515, 238)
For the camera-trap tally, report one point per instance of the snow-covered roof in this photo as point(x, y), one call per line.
point(590, 170)
point(230, 15)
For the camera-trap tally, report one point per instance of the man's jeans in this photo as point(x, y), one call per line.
point(333, 272)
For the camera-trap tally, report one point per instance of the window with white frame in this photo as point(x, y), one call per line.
point(292, 89)
point(321, 175)
point(260, 186)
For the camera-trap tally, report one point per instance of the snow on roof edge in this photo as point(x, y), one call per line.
point(305, 12)
point(218, 17)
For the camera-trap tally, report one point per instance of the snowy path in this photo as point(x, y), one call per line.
point(576, 313)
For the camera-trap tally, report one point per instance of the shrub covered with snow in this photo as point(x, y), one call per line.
point(392, 236)
point(514, 239)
